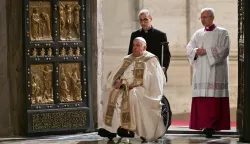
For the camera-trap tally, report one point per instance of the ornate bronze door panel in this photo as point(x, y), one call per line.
point(243, 109)
point(57, 65)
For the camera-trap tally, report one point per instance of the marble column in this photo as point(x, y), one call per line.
point(97, 53)
point(5, 118)
point(12, 101)
point(15, 63)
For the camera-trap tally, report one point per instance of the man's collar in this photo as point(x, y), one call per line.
point(150, 30)
point(210, 28)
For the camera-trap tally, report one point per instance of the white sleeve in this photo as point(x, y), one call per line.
point(221, 51)
point(191, 49)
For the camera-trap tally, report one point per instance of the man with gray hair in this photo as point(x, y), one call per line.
point(208, 52)
point(156, 39)
point(131, 102)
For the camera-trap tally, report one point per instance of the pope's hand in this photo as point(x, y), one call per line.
point(118, 85)
point(131, 86)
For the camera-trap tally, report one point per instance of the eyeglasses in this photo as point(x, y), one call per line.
point(205, 17)
point(143, 20)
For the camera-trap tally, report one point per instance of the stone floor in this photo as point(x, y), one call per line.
point(175, 136)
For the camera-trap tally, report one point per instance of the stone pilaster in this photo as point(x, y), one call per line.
point(5, 124)
point(15, 62)
point(97, 53)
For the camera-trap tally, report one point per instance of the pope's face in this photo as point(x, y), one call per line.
point(138, 48)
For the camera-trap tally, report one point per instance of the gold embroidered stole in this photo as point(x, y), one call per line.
point(111, 106)
point(126, 63)
point(116, 92)
point(125, 108)
point(124, 90)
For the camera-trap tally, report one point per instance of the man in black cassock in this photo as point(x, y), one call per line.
point(154, 38)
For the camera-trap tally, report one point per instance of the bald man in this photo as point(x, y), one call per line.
point(131, 100)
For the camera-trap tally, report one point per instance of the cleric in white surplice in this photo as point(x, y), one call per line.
point(208, 52)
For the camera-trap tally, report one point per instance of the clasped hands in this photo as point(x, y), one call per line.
point(118, 85)
point(200, 52)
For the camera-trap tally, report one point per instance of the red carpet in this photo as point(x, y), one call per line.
point(186, 123)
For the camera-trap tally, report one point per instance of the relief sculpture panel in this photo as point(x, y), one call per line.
point(41, 84)
point(40, 20)
point(70, 82)
point(69, 13)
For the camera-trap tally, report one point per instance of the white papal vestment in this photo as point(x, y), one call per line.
point(139, 110)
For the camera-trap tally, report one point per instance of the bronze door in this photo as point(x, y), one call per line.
point(57, 65)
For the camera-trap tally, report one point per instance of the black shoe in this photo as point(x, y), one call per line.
point(143, 140)
point(208, 132)
point(104, 133)
point(125, 133)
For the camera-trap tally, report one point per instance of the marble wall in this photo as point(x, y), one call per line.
point(170, 17)
point(120, 17)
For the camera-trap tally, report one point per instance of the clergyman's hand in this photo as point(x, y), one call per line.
point(164, 69)
point(201, 51)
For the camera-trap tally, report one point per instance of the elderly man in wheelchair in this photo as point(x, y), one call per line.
point(133, 100)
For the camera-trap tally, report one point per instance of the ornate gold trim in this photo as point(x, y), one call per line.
point(139, 73)
point(114, 93)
